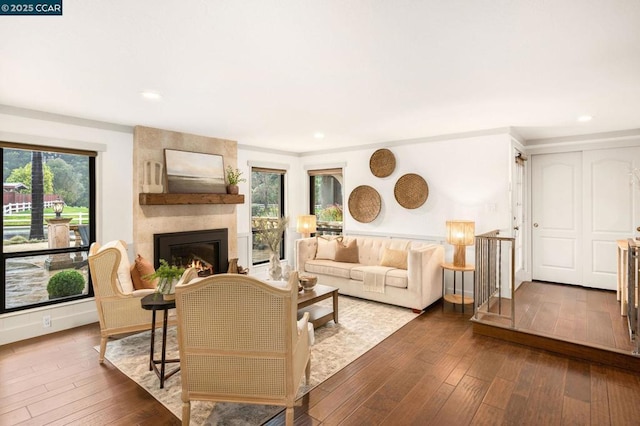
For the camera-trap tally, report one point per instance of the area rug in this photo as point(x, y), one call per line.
point(362, 325)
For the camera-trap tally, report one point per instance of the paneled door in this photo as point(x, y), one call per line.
point(582, 202)
point(611, 194)
point(556, 193)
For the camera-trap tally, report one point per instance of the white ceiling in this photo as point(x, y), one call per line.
point(272, 73)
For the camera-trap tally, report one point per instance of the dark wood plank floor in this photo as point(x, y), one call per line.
point(432, 371)
point(572, 313)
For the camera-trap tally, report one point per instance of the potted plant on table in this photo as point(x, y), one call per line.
point(168, 276)
point(233, 179)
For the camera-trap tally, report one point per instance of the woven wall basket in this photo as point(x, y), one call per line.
point(411, 191)
point(382, 163)
point(364, 204)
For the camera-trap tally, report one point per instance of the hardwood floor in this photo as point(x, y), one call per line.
point(432, 371)
point(56, 379)
point(571, 313)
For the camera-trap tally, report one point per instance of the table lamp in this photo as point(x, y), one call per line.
point(306, 225)
point(460, 233)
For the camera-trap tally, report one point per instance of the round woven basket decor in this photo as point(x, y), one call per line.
point(411, 191)
point(382, 163)
point(364, 204)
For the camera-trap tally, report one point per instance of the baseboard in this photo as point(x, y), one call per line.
point(27, 324)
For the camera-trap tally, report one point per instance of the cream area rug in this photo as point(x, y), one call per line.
point(362, 325)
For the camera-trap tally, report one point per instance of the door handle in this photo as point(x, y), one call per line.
point(517, 228)
point(535, 225)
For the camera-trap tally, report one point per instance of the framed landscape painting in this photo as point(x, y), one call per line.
point(194, 172)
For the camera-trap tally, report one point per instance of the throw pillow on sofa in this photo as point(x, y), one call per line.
point(140, 269)
point(394, 258)
point(347, 253)
point(327, 247)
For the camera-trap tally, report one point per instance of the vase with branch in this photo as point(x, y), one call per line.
point(269, 231)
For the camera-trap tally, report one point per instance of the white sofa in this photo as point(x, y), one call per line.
point(416, 287)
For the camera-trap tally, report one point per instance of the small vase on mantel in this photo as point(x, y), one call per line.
point(275, 270)
point(233, 189)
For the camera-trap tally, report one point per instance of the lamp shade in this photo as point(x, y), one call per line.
point(306, 224)
point(461, 232)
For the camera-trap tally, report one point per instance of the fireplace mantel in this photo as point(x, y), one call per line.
point(175, 199)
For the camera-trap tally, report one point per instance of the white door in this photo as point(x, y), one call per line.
point(610, 214)
point(556, 192)
point(582, 202)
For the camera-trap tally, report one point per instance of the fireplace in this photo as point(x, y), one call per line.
point(207, 250)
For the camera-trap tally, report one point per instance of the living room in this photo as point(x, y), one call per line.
point(465, 153)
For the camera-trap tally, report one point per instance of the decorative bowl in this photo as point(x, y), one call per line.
point(308, 282)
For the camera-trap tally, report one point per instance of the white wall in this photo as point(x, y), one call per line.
point(114, 205)
point(468, 178)
point(295, 202)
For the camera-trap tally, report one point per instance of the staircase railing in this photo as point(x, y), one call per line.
point(633, 318)
point(495, 277)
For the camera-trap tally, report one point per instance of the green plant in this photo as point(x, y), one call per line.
point(165, 274)
point(65, 283)
point(332, 213)
point(233, 176)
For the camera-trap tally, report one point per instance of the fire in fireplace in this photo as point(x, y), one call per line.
point(206, 250)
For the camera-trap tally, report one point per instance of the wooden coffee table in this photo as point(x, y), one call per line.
point(318, 315)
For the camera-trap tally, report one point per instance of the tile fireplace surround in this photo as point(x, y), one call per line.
point(149, 145)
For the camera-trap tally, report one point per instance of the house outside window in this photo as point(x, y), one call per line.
point(267, 203)
point(325, 189)
point(48, 224)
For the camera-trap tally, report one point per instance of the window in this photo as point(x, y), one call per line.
point(325, 189)
point(48, 223)
point(267, 203)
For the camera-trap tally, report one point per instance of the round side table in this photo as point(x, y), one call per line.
point(155, 302)
point(457, 299)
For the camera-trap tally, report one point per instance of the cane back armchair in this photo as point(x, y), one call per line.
point(118, 305)
point(240, 341)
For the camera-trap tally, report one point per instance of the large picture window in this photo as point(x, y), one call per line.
point(48, 223)
point(325, 189)
point(267, 204)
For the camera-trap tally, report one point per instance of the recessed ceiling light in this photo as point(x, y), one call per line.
point(154, 96)
point(318, 135)
point(585, 118)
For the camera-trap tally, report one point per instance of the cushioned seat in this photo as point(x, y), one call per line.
point(330, 267)
point(240, 341)
point(117, 302)
point(392, 276)
point(390, 270)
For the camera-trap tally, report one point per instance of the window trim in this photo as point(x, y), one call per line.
point(283, 174)
point(91, 155)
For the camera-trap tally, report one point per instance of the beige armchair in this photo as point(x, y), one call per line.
point(118, 304)
point(240, 342)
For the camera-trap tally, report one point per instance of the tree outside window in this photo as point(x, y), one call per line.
point(39, 243)
point(325, 188)
point(267, 203)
